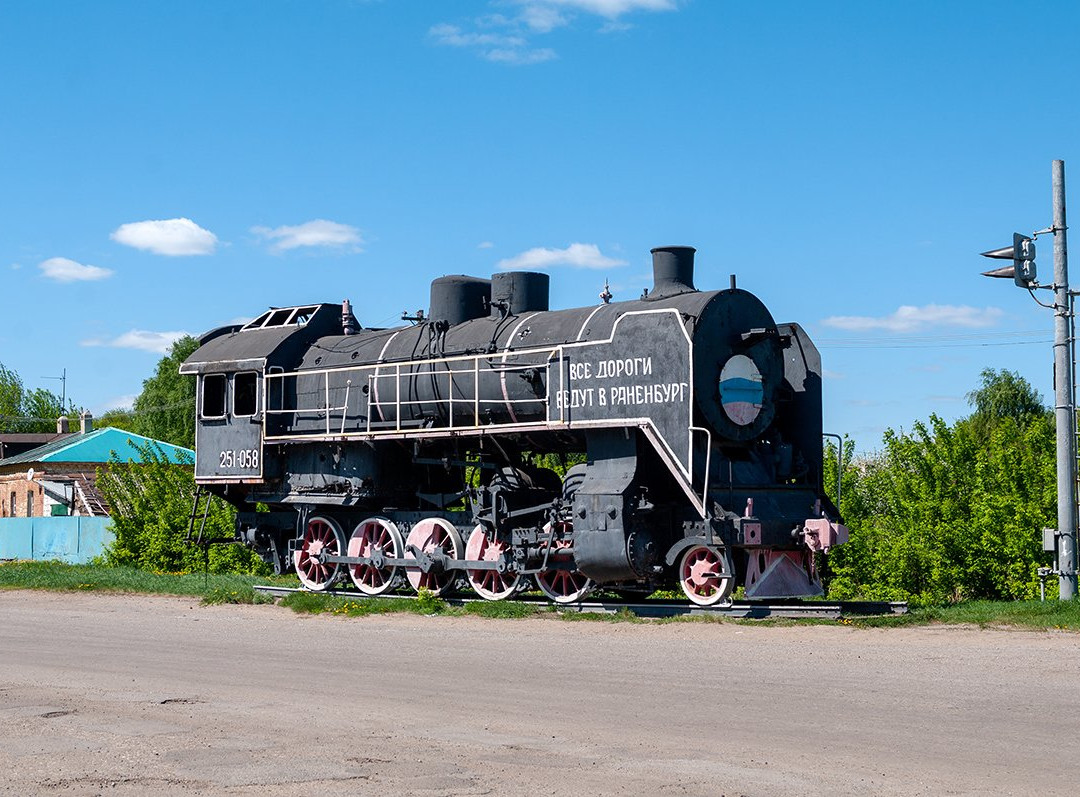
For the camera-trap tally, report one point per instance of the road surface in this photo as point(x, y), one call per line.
point(135, 695)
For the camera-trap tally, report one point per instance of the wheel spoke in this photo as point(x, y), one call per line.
point(489, 584)
point(321, 538)
point(705, 575)
point(370, 537)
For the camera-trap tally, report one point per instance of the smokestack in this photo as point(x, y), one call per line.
point(86, 422)
point(673, 271)
point(63, 425)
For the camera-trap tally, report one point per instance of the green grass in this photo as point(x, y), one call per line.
point(226, 589)
point(425, 604)
point(1031, 615)
point(63, 577)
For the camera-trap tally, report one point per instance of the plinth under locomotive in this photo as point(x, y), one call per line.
point(420, 456)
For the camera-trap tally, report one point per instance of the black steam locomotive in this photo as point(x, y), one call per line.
point(429, 454)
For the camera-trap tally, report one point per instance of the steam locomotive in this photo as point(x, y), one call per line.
point(629, 446)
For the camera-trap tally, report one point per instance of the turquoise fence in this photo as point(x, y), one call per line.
point(70, 539)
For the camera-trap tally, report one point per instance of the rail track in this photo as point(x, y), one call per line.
point(831, 610)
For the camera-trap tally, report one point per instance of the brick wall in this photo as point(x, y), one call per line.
point(17, 494)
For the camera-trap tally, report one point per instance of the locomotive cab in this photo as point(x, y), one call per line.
point(229, 411)
point(237, 395)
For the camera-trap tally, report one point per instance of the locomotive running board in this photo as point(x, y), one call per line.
point(646, 426)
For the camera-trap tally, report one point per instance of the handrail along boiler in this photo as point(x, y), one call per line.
point(413, 457)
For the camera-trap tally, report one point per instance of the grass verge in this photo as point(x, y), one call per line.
point(225, 589)
point(64, 577)
point(425, 604)
point(1032, 615)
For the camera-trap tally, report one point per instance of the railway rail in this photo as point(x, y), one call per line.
point(829, 610)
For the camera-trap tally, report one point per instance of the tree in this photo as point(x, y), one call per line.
point(29, 411)
point(119, 419)
point(948, 512)
point(42, 407)
point(11, 392)
point(1004, 394)
point(165, 409)
point(150, 504)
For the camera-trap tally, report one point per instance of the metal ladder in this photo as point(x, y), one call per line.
point(199, 540)
point(91, 503)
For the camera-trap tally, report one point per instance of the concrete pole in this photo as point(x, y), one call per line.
point(1063, 398)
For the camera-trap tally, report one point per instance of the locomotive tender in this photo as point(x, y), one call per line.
point(413, 455)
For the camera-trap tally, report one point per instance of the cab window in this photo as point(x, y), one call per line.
point(245, 394)
point(213, 395)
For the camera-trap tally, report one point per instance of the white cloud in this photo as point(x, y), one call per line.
point(485, 245)
point(520, 57)
point(141, 339)
point(827, 374)
point(612, 9)
point(909, 318)
point(454, 36)
point(509, 39)
point(575, 255)
point(173, 237)
point(499, 47)
point(318, 232)
point(63, 270)
point(124, 403)
point(542, 18)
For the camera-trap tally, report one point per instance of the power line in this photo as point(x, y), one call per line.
point(869, 345)
point(128, 413)
point(937, 341)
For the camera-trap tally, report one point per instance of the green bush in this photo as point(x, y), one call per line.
point(952, 512)
point(151, 508)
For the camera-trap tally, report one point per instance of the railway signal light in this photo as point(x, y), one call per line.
point(1022, 254)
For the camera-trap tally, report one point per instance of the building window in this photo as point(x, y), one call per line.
point(213, 395)
point(29, 503)
point(245, 394)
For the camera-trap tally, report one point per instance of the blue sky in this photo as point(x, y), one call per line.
point(169, 167)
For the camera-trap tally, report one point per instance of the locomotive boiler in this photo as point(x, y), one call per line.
point(628, 446)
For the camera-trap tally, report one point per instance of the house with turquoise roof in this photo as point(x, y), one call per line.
point(58, 478)
point(50, 507)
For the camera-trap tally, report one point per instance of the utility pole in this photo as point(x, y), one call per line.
point(1023, 273)
point(1064, 412)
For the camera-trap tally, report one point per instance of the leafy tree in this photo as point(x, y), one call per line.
point(29, 411)
point(119, 419)
point(165, 410)
point(948, 512)
point(11, 393)
point(1004, 394)
point(42, 407)
point(151, 507)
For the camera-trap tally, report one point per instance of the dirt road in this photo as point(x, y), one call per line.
point(135, 695)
